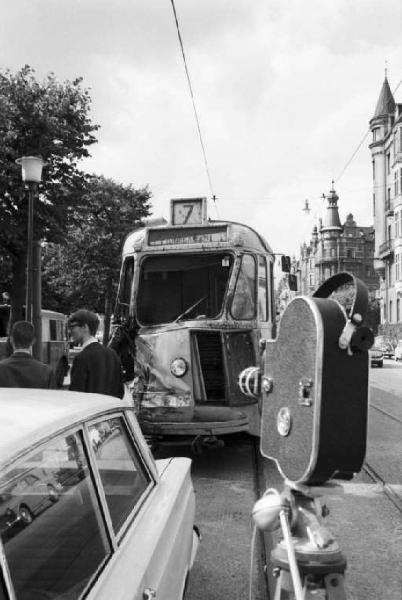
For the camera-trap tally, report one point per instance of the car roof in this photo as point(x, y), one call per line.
point(30, 415)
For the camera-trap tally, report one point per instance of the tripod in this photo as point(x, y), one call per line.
point(307, 562)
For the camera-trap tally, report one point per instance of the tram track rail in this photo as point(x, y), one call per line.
point(386, 487)
point(386, 413)
point(375, 475)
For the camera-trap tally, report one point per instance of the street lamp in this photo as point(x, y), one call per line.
point(31, 167)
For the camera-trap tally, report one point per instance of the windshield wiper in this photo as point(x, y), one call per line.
point(188, 310)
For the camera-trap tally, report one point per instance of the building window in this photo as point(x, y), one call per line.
point(398, 311)
point(388, 162)
point(311, 280)
point(376, 132)
point(397, 223)
point(373, 163)
point(389, 233)
point(390, 311)
point(398, 266)
point(350, 253)
point(332, 252)
point(373, 205)
point(396, 183)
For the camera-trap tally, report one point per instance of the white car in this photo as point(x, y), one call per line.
point(120, 526)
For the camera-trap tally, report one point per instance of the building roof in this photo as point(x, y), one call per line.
point(386, 103)
point(29, 415)
point(331, 218)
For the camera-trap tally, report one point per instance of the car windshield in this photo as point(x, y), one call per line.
point(182, 286)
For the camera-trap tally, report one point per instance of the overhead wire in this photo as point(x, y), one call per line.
point(193, 102)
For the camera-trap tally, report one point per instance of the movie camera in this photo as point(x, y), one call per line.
point(313, 390)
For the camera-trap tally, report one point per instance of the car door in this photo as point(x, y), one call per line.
point(145, 515)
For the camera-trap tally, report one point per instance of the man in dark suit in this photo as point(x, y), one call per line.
point(21, 369)
point(96, 368)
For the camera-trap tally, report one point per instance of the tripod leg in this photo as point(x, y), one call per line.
point(334, 586)
point(284, 588)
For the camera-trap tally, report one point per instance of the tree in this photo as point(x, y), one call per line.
point(85, 268)
point(51, 120)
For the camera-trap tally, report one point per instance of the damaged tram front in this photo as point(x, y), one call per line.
point(195, 297)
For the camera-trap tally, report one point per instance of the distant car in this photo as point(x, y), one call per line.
point(26, 494)
point(376, 357)
point(120, 524)
point(398, 351)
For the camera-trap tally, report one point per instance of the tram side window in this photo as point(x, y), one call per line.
point(126, 281)
point(53, 330)
point(4, 316)
point(243, 304)
point(262, 289)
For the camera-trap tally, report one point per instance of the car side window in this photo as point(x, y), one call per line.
point(123, 475)
point(51, 527)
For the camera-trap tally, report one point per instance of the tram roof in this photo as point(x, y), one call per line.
point(217, 234)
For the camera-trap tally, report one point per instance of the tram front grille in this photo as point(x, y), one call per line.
point(212, 365)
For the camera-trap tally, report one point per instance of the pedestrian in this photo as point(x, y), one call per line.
point(21, 369)
point(96, 368)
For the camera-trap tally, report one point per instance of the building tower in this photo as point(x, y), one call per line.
point(335, 247)
point(386, 156)
point(327, 256)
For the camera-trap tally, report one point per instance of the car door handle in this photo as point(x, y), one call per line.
point(149, 594)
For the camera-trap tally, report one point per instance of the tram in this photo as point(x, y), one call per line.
point(195, 298)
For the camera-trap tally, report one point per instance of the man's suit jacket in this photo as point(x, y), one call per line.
point(97, 369)
point(24, 371)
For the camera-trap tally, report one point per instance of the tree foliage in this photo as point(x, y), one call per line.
point(51, 120)
point(85, 269)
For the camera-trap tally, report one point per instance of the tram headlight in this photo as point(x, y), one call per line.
point(178, 367)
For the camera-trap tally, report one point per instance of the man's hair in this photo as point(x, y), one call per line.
point(22, 334)
point(85, 317)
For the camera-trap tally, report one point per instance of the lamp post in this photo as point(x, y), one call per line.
point(31, 167)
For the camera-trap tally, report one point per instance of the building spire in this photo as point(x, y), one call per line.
point(331, 219)
point(386, 103)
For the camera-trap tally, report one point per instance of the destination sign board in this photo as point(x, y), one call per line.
point(188, 235)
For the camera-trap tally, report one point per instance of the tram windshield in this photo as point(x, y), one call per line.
point(182, 286)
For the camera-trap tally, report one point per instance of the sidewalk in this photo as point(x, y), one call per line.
point(368, 529)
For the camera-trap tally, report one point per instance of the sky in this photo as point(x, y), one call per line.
point(284, 92)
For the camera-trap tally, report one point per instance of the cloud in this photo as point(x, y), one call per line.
point(284, 93)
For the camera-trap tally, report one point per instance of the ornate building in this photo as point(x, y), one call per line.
point(335, 247)
point(386, 153)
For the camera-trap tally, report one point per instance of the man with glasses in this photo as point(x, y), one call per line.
point(96, 368)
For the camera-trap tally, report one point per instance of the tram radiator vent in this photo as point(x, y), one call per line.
point(211, 361)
